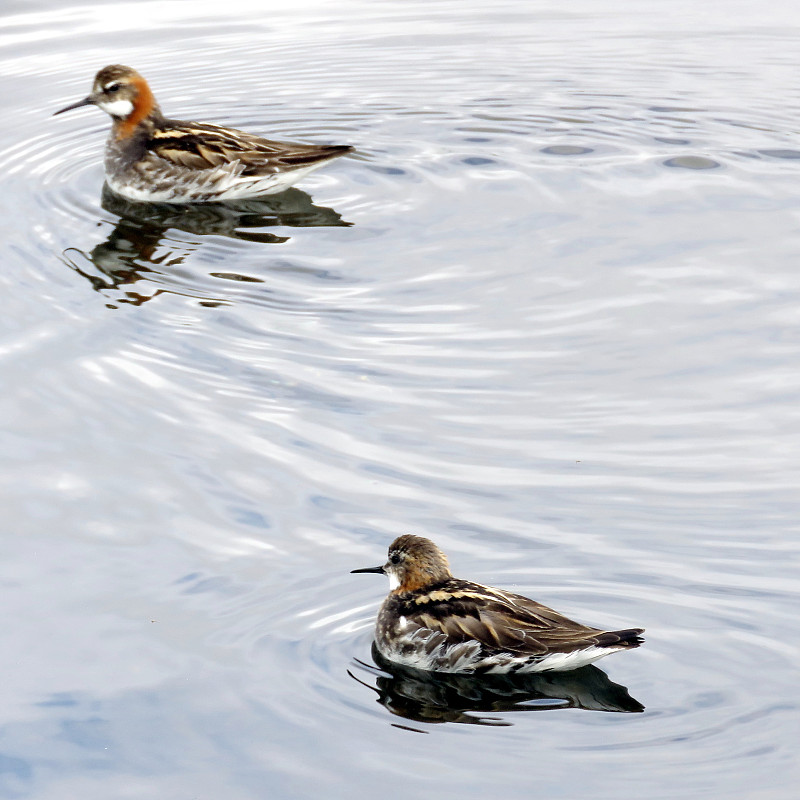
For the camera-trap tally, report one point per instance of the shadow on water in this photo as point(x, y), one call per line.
point(441, 697)
point(139, 247)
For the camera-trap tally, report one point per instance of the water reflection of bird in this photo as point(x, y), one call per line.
point(431, 620)
point(237, 219)
point(139, 245)
point(423, 696)
point(150, 158)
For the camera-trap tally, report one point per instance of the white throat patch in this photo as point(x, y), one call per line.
point(120, 109)
point(393, 582)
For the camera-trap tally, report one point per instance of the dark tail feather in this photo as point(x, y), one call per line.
point(629, 638)
point(322, 153)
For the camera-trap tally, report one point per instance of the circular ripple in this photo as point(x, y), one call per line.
point(692, 162)
point(566, 150)
point(471, 359)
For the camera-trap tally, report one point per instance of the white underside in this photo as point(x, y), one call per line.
point(466, 658)
point(223, 183)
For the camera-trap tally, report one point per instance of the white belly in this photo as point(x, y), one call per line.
point(466, 657)
point(201, 186)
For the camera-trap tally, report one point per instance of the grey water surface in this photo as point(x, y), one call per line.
point(548, 314)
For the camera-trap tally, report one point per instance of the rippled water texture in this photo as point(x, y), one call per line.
point(547, 315)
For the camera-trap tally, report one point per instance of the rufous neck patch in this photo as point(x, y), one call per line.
point(142, 108)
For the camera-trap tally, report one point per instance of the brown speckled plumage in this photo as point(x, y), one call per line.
point(152, 158)
point(434, 621)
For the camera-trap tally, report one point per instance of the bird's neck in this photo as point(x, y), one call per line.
point(145, 110)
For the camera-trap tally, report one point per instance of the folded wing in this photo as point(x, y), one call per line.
point(201, 146)
point(511, 623)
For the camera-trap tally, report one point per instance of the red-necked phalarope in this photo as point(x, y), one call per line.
point(153, 159)
point(433, 621)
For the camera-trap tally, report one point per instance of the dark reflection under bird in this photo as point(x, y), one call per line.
point(436, 697)
point(139, 246)
point(237, 219)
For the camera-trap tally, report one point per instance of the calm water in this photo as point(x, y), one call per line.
point(547, 316)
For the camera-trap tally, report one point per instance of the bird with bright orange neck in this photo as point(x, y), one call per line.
point(150, 158)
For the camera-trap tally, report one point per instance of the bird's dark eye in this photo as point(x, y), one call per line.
point(114, 87)
point(394, 558)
